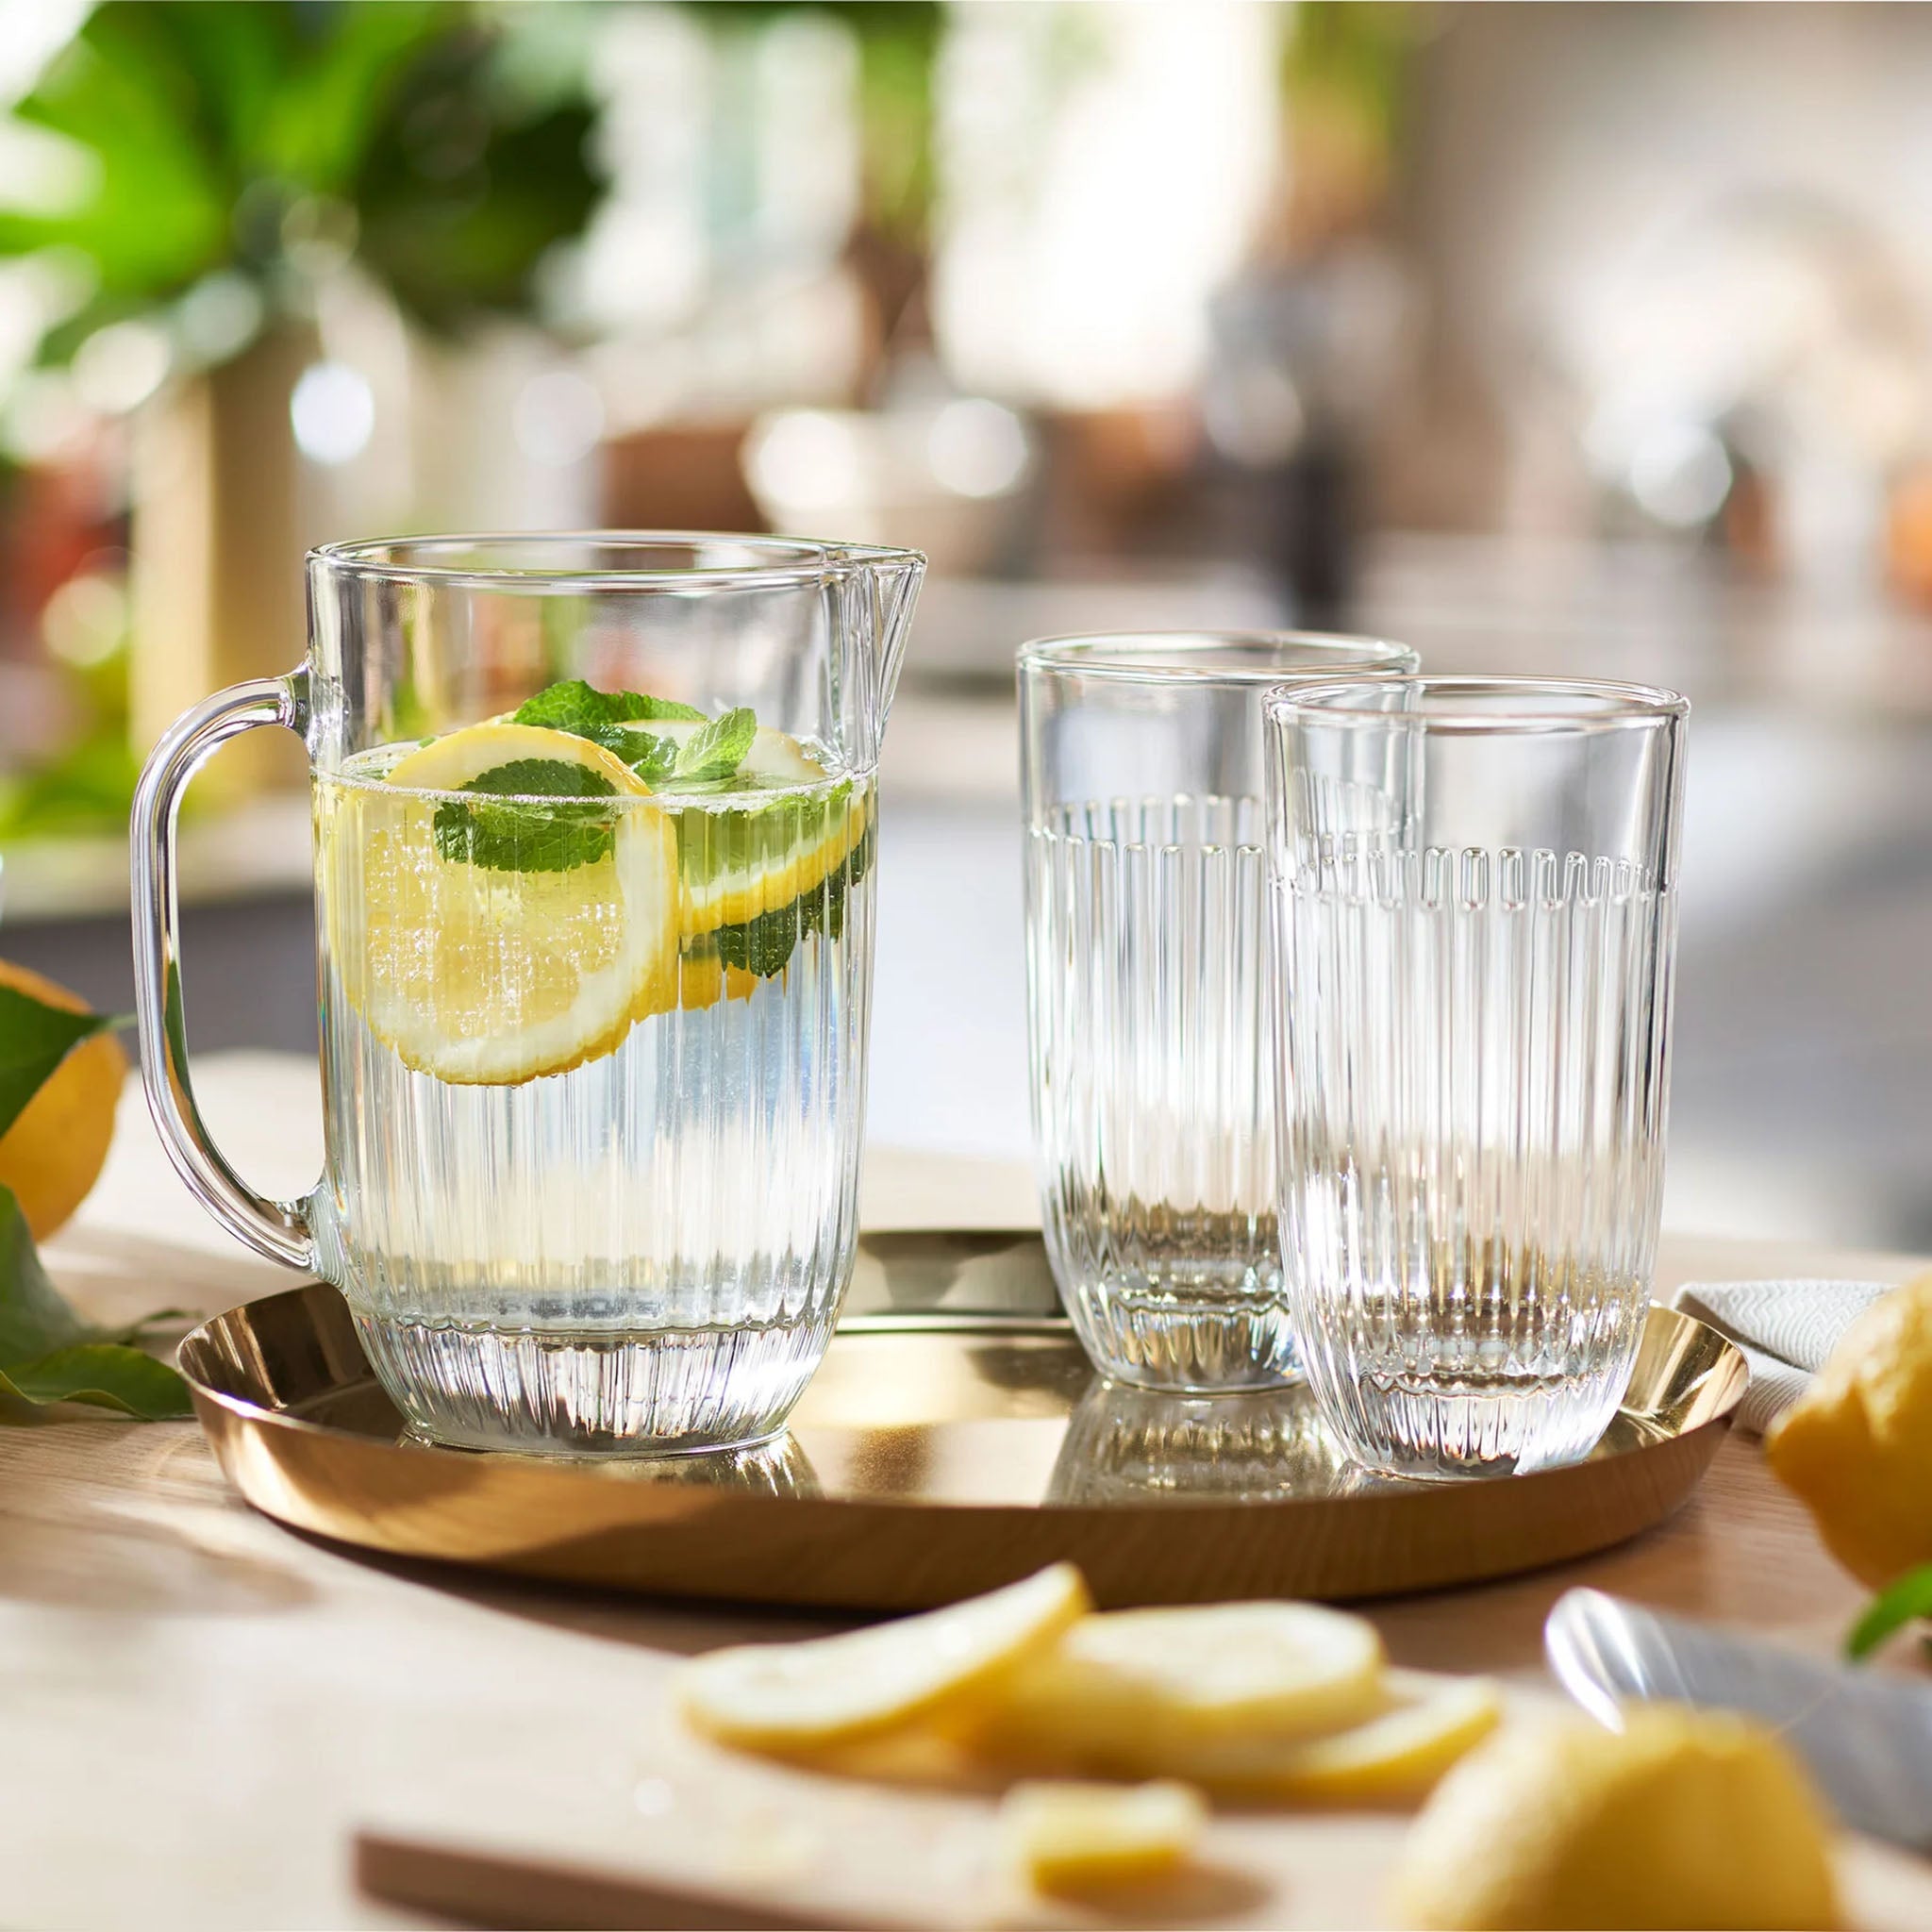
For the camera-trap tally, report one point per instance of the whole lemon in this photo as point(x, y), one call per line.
point(1856, 1447)
point(54, 1152)
point(1684, 1818)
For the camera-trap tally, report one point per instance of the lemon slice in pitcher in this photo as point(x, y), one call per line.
point(779, 831)
point(502, 905)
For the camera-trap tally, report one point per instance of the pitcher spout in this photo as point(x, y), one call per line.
point(882, 588)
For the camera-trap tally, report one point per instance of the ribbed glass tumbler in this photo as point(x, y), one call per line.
point(1147, 975)
point(1474, 891)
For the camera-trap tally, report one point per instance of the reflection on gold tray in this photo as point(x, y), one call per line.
point(955, 1439)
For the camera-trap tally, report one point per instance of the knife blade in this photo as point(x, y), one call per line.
point(1866, 1737)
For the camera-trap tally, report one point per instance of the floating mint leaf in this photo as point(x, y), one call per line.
point(652, 758)
point(34, 1039)
point(576, 707)
point(718, 750)
point(48, 1354)
point(524, 836)
point(1895, 1606)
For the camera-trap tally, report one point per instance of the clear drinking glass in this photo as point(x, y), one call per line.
point(594, 1011)
point(1475, 888)
point(1146, 973)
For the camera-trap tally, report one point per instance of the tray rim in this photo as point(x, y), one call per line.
point(1396, 1494)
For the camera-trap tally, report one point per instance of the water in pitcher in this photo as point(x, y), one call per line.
point(592, 1015)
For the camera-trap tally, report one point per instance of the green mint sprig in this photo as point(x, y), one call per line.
point(581, 708)
point(667, 761)
point(48, 1353)
point(523, 837)
point(712, 755)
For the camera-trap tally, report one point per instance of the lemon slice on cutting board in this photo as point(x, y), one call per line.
point(1426, 1724)
point(797, 1696)
point(1121, 1688)
point(1067, 1836)
point(537, 951)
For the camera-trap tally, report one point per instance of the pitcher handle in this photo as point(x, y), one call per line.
point(278, 1229)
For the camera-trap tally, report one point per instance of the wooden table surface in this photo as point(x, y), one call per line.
point(198, 1707)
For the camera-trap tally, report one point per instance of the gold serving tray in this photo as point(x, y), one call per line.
point(953, 1439)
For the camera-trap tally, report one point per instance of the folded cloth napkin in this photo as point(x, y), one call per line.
point(1785, 1329)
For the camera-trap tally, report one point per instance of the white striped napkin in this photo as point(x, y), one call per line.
point(1785, 1329)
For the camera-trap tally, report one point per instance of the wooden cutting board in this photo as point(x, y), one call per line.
point(705, 1838)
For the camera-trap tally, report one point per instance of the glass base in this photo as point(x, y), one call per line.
point(672, 1391)
point(1198, 1327)
point(1401, 1426)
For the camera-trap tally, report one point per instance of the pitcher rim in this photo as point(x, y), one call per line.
point(770, 560)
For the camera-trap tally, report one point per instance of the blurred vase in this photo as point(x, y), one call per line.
point(220, 519)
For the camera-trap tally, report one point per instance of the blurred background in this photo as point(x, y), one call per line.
point(1590, 338)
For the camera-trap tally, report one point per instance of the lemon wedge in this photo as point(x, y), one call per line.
point(757, 854)
point(1122, 1691)
point(704, 979)
point(1067, 1836)
point(796, 1696)
point(489, 973)
point(1855, 1447)
point(1425, 1724)
point(1683, 1817)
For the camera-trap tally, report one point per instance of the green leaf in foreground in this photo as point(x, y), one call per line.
point(718, 750)
point(48, 1354)
point(34, 1039)
point(524, 836)
point(108, 1374)
point(582, 709)
point(1897, 1605)
point(34, 1319)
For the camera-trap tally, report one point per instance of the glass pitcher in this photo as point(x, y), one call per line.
point(594, 825)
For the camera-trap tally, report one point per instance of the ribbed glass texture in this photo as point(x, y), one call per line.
point(1474, 1073)
point(1150, 1004)
point(592, 1057)
point(646, 1252)
point(1154, 1112)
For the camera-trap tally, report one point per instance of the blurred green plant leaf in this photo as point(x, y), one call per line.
point(86, 788)
point(158, 213)
point(208, 123)
point(462, 197)
point(34, 1039)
